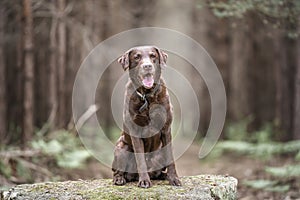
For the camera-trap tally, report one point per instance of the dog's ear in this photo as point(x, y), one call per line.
point(162, 57)
point(124, 60)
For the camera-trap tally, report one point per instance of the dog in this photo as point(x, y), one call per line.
point(144, 150)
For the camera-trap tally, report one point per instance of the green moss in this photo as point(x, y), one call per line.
point(194, 187)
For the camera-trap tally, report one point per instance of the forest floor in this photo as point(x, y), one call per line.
point(241, 167)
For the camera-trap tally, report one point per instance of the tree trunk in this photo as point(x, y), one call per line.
point(202, 19)
point(3, 122)
point(296, 124)
point(18, 111)
point(104, 90)
point(28, 73)
point(239, 80)
point(284, 91)
point(287, 88)
point(73, 56)
point(262, 92)
point(216, 44)
point(61, 64)
point(53, 104)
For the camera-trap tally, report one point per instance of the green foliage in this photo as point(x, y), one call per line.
point(284, 172)
point(59, 150)
point(259, 144)
point(238, 131)
point(264, 135)
point(298, 156)
point(23, 171)
point(259, 150)
point(260, 184)
point(115, 133)
point(272, 8)
point(4, 170)
point(291, 147)
point(72, 159)
point(231, 8)
point(267, 151)
point(279, 188)
point(52, 147)
point(65, 147)
point(280, 12)
point(274, 186)
point(14, 132)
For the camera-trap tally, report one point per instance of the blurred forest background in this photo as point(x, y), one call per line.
point(255, 45)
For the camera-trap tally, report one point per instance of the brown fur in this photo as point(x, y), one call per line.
point(145, 130)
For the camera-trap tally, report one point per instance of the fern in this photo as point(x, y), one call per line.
point(291, 147)
point(65, 147)
point(267, 185)
point(261, 150)
point(260, 184)
point(284, 172)
point(298, 156)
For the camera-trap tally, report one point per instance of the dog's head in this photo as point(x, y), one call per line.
point(144, 64)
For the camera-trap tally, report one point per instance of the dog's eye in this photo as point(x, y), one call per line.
point(137, 56)
point(152, 55)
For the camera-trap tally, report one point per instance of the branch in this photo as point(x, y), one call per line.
point(86, 115)
point(19, 153)
point(35, 167)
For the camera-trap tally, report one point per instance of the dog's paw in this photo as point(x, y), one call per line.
point(174, 181)
point(146, 183)
point(119, 180)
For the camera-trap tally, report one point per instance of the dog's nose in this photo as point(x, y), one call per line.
point(147, 66)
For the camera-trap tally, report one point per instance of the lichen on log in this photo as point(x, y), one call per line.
point(194, 187)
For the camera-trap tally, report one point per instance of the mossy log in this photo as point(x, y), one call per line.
point(194, 187)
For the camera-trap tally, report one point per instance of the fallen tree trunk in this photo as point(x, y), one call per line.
point(194, 187)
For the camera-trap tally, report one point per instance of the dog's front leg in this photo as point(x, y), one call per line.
point(172, 176)
point(138, 147)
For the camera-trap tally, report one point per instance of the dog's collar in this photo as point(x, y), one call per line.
point(145, 96)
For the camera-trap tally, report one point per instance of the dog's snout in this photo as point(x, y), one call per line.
point(147, 66)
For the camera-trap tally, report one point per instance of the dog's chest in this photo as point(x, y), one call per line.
point(147, 111)
point(152, 143)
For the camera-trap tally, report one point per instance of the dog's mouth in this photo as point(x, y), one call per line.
point(148, 81)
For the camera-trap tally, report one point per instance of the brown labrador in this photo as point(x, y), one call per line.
point(144, 150)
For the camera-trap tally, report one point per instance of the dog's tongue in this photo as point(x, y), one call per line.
point(148, 81)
